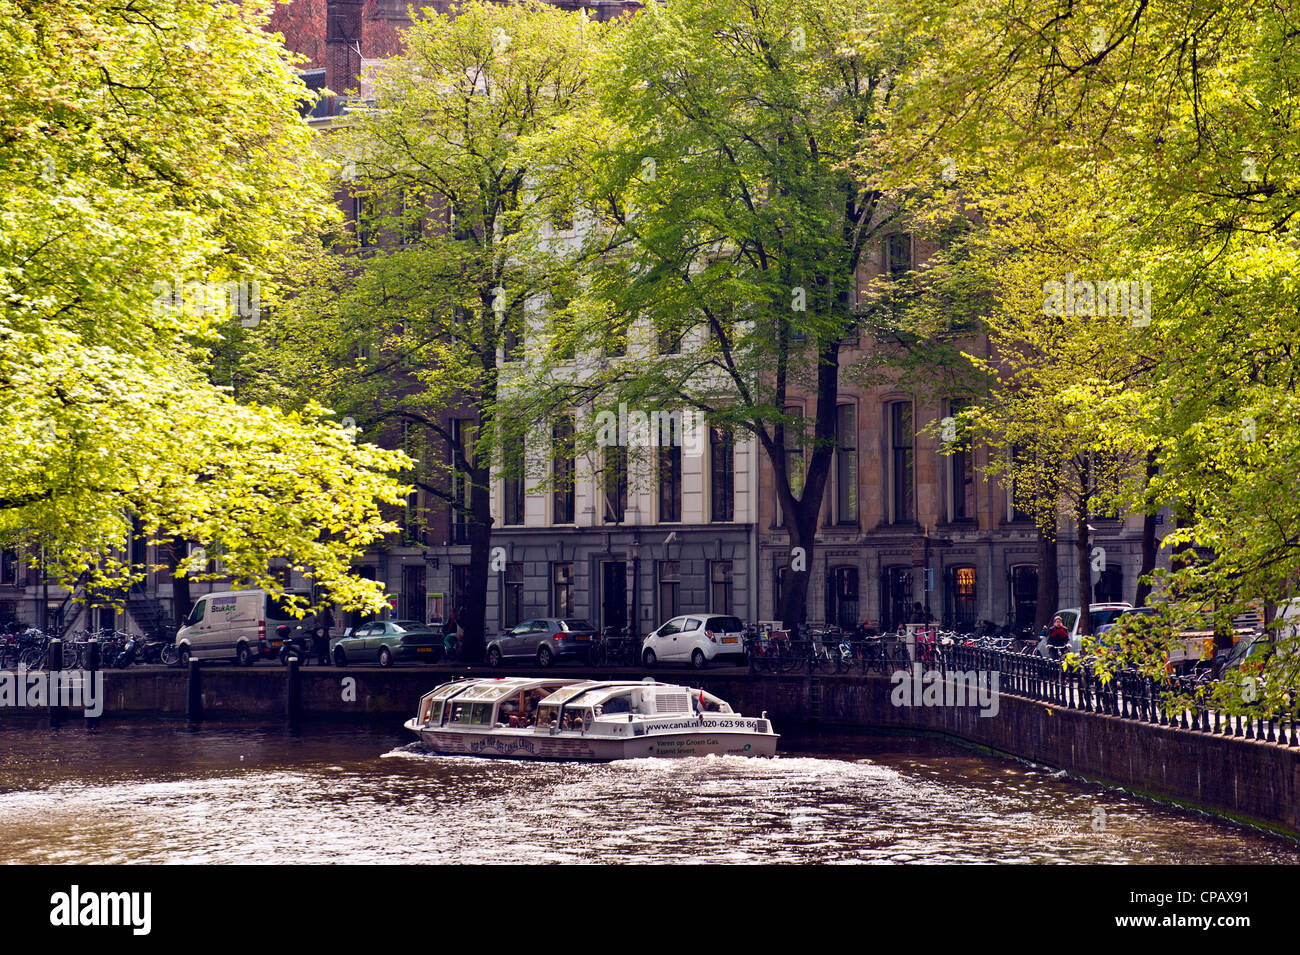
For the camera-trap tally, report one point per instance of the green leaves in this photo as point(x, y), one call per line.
point(143, 146)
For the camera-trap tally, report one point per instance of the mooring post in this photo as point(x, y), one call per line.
point(292, 692)
point(194, 691)
point(55, 670)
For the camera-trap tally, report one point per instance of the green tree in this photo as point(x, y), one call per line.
point(1181, 117)
point(716, 168)
point(461, 227)
point(151, 153)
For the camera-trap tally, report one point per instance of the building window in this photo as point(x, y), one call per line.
point(722, 473)
point(669, 335)
point(512, 595)
point(898, 254)
point(512, 482)
point(462, 437)
point(720, 590)
point(412, 528)
point(616, 340)
point(670, 582)
point(562, 471)
point(1018, 490)
point(8, 567)
point(363, 215)
point(793, 459)
point(961, 466)
point(901, 453)
point(846, 465)
point(615, 484)
point(562, 590)
point(562, 344)
point(778, 588)
point(670, 471)
point(963, 611)
point(512, 334)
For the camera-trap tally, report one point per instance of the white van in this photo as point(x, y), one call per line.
point(238, 625)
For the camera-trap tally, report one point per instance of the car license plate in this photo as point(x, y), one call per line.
point(275, 644)
point(583, 636)
point(424, 649)
point(730, 639)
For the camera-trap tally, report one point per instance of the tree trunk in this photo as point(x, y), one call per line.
point(800, 517)
point(1049, 597)
point(794, 593)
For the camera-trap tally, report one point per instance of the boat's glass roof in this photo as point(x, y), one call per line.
point(604, 689)
point(488, 691)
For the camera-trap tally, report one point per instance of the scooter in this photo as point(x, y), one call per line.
point(139, 650)
point(296, 644)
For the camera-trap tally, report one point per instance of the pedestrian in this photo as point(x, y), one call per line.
point(326, 625)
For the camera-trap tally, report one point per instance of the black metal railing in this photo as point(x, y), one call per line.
point(1125, 695)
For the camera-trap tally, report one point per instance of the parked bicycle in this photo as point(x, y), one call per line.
point(615, 647)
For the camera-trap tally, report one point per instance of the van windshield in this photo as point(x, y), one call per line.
point(278, 609)
point(196, 614)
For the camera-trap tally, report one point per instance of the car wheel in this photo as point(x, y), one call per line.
point(544, 657)
point(385, 657)
point(244, 656)
point(698, 661)
point(183, 657)
point(340, 658)
point(494, 657)
point(649, 659)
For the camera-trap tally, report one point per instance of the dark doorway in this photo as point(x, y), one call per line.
point(895, 596)
point(613, 594)
point(963, 607)
point(1024, 594)
point(842, 597)
point(413, 593)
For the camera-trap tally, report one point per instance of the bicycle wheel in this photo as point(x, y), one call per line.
point(169, 655)
point(33, 658)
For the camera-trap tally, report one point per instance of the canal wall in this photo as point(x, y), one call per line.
point(1250, 780)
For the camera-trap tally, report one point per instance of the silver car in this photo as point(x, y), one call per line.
point(544, 639)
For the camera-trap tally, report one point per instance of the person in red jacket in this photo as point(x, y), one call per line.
point(1058, 638)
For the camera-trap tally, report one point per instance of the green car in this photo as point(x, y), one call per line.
point(386, 641)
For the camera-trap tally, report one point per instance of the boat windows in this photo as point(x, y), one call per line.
point(617, 704)
point(547, 714)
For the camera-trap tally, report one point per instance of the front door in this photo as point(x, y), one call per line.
point(613, 594)
point(1024, 594)
point(895, 596)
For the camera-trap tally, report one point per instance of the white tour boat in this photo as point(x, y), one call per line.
point(595, 720)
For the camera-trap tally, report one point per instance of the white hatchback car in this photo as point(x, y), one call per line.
point(697, 639)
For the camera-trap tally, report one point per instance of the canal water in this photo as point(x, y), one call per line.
point(222, 793)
